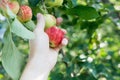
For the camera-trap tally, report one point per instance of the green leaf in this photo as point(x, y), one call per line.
point(20, 30)
point(84, 12)
point(74, 2)
point(33, 3)
point(30, 25)
point(12, 59)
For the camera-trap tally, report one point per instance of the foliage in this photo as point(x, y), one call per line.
point(93, 31)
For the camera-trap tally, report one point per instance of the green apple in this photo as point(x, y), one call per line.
point(54, 3)
point(50, 20)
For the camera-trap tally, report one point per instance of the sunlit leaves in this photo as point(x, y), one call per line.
point(84, 12)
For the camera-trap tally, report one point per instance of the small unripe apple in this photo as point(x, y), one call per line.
point(59, 21)
point(55, 3)
point(55, 35)
point(25, 13)
point(50, 20)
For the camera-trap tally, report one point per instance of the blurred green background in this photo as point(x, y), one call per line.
point(93, 52)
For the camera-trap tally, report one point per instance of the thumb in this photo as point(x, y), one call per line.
point(40, 22)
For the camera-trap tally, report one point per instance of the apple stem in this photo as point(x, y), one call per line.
point(44, 7)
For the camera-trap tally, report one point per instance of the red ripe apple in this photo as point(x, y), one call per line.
point(50, 20)
point(25, 13)
point(56, 36)
point(54, 3)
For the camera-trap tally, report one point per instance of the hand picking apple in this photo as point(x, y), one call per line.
point(43, 58)
point(54, 33)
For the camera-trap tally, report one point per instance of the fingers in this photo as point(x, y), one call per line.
point(65, 32)
point(59, 21)
point(40, 22)
point(63, 43)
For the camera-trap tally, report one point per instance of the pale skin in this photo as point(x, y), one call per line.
point(42, 58)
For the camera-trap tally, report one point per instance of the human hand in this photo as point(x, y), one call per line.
point(39, 47)
point(42, 58)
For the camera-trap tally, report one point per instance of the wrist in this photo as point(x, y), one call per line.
point(34, 75)
point(34, 72)
point(36, 69)
point(39, 63)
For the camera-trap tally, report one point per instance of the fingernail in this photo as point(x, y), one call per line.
point(38, 16)
point(65, 32)
point(64, 41)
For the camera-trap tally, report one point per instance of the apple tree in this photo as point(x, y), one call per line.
point(93, 31)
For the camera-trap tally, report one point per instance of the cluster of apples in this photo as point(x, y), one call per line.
point(55, 33)
point(24, 14)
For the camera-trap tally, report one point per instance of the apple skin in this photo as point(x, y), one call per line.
point(54, 3)
point(50, 20)
point(25, 13)
point(13, 5)
point(55, 35)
